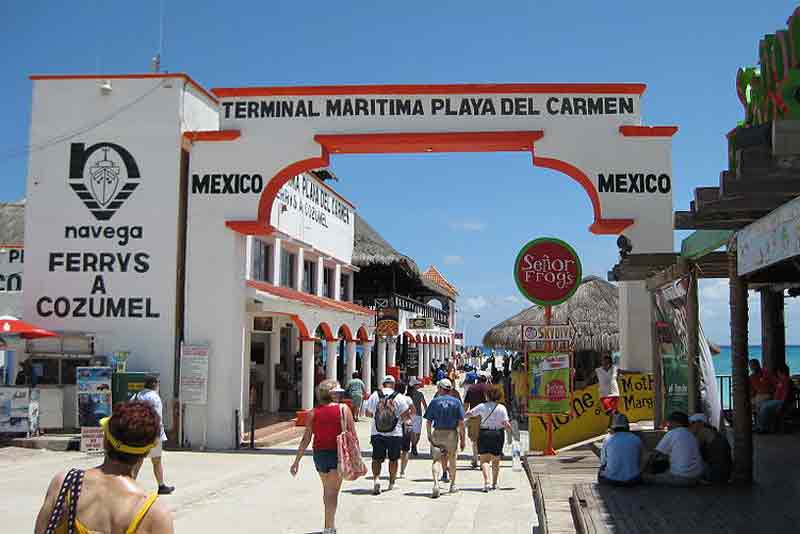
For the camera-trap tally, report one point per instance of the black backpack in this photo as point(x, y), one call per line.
point(386, 413)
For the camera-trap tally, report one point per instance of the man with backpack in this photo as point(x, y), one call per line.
point(388, 411)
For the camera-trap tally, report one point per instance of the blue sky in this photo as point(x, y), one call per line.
point(468, 213)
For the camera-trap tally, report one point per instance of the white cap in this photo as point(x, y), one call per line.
point(413, 381)
point(698, 418)
point(388, 379)
point(444, 383)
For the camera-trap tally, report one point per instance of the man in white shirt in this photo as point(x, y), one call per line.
point(683, 451)
point(388, 410)
point(607, 384)
point(150, 395)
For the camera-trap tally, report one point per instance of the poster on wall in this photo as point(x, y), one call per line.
point(194, 374)
point(550, 383)
point(14, 410)
point(673, 344)
point(93, 395)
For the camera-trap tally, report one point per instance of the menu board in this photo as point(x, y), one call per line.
point(194, 374)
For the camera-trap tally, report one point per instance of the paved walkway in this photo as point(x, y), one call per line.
point(245, 492)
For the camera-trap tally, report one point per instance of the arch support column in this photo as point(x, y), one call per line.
point(391, 352)
point(274, 361)
point(333, 355)
point(351, 361)
point(366, 366)
point(307, 397)
point(380, 367)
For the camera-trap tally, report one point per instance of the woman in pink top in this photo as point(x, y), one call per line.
point(324, 424)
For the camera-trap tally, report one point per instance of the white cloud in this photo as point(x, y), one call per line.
point(475, 303)
point(468, 226)
point(513, 299)
point(453, 260)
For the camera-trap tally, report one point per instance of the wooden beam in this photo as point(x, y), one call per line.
point(704, 196)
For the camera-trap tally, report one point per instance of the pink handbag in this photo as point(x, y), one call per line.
point(350, 466)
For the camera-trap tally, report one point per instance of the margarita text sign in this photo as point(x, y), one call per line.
point(547, 271)
point(549, 391)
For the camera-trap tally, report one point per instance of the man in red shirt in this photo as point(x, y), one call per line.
point(761, 385)
point(769, 409)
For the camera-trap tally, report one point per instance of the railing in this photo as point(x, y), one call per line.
point(400, 302)
point(725, 389)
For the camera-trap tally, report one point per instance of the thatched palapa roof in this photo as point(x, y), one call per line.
point(370, 249)
point(592, 309)
point(12, 223)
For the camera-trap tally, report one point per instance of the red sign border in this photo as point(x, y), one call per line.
point(557, 241)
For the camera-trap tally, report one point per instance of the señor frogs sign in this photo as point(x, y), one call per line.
point(547, 271)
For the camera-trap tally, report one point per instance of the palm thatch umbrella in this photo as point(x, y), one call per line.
point(592, 309)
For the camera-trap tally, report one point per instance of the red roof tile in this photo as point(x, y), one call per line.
point(438, 278)
point(308, 299)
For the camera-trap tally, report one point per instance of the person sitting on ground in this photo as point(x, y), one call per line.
point(107, 498)
point(714, 448)
point(762, 385)
point(621, 455)
point(493, 421)
point(769, 409)
point(680, 448)
point(355, 392)
point(445, 424)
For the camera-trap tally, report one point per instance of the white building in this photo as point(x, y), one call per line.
point(124, 242)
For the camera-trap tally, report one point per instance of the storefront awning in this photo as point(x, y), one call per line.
point(11, 326)
point(308, 299)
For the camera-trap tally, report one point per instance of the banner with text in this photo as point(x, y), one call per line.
point(550, 383)
point(673, 344)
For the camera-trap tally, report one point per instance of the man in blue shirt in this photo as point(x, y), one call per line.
point(445, 422)
point(621, 455)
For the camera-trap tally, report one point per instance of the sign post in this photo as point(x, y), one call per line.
point(548, 272)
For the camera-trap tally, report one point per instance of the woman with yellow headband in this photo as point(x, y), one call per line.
point(107, 499)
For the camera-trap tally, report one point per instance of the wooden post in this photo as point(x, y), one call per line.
point(742, 425)
point(773, 335)
point(693, 321)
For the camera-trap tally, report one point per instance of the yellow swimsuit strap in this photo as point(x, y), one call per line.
point(141, 513)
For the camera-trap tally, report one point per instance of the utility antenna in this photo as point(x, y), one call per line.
point(157, 59)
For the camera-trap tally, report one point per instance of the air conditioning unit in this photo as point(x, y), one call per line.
point(262, 325)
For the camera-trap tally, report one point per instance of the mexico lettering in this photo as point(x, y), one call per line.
point(634, 182)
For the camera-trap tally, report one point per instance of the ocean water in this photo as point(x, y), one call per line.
point(722, 361)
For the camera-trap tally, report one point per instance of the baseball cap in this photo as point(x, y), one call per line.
point(444, 383)
point(698, 418)
point(337, 389)
point(413, 381)
point(388, 379)
point(620, 422)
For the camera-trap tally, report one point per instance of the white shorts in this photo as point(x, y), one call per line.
point(156, 451)
point(416, 424)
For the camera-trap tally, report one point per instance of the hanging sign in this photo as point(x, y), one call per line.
point(560, 336)
point(550, 384)
point(547, 271)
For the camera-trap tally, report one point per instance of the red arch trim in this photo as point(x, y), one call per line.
point(600, 225)
point(348, 334)
point(284, 175)
point(362, 334)
point(326, 330)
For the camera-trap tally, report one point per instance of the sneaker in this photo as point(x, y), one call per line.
point(163, 489)
point(486, 488)
point(435, 493)
point(376, 490)
point(391, 486)
point(494, 486)
point(445, 478)
point(414, 451)
point(474, 464)
point(453, 488)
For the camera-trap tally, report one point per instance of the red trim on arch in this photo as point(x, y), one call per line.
point(212, 135)
point(600, 225)
point(301, 326)
point(412, 143)
point(348, 334)
point(648, 131)
point(362, 334)
point(326, 330)
point(284, 175)
point(448, 89)
point(250, 228)
point(410, 336)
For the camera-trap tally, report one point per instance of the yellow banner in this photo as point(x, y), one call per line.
point(588, 419)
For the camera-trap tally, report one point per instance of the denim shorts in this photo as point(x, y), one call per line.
point(326, 460)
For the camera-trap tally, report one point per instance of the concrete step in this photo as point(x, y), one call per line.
point(276, 438)
point(270, 429)
point(56, 442)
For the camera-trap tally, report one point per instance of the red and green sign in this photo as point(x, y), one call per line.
point(550, 383)
point(547, 271)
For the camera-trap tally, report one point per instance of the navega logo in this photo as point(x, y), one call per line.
point(103, 176)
